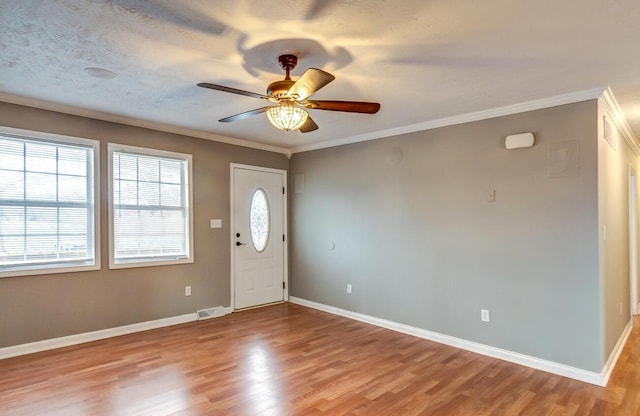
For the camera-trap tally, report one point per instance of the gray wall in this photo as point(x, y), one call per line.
point(420, 244)
point(404, 219)
point(40, 307)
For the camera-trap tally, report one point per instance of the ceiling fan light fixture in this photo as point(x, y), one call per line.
point(290, 99)
point(287, 116)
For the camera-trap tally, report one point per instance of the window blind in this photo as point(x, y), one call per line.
point(46, 204)
point(150, 208)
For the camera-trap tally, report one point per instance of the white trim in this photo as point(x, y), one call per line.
point(232, 257)
point(53, 343)
point(562, 99)
point(130, 121)
point(63, 139)
point(633, 239)
point(570, 98)
point(144, 151)
point(285, 222)
point(610, 365)
point(617, 116)
point(599, 379)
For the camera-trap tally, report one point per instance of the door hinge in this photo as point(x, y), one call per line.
point(283, 237)
point(283, 285)
point(283, 193)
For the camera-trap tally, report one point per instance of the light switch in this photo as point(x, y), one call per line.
point(217, 223)
point(491, 195)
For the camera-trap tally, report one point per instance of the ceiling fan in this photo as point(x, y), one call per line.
point(291, 99)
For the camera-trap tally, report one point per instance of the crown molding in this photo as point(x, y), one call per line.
point(617, 116)
point(569, 98)
point(574, 97)
point(130, 121)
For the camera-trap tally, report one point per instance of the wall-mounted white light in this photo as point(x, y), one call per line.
point(516, 141)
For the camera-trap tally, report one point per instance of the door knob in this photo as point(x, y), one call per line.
point(238, 243)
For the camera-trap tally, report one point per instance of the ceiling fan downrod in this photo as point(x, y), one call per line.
point(288, 62)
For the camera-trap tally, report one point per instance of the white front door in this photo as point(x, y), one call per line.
point(258, 216)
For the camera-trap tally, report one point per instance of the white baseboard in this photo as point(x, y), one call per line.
point(615, 354)
point(49, 344)
point(599, 379)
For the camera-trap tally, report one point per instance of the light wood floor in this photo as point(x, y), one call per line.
point(289, 360)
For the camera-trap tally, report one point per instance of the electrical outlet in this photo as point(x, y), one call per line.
point(187, 290)
point(484, 315)
point(349, 288)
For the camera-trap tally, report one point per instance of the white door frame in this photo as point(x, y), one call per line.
point(232, 237)
point(633, 239)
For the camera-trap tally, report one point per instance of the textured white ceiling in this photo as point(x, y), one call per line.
point(422, 60)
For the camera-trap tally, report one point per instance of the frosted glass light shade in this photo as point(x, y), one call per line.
point(287, 116)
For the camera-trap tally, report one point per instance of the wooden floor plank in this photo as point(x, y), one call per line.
point(290, 360)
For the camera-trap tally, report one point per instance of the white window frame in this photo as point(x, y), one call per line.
point(115, 147)
point(52, 268)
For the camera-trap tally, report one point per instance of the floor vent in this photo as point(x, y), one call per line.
point(211, 313)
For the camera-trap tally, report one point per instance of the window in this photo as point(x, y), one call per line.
point(48, 205)
point(150, 207)
point(259, 220)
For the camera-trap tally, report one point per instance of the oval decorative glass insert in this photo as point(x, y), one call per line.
point(259, 220)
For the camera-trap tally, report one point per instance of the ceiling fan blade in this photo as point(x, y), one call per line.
point(308, 126)
point(311, 81)
point(244, 115)
point(348, 106)
point(233, 90)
